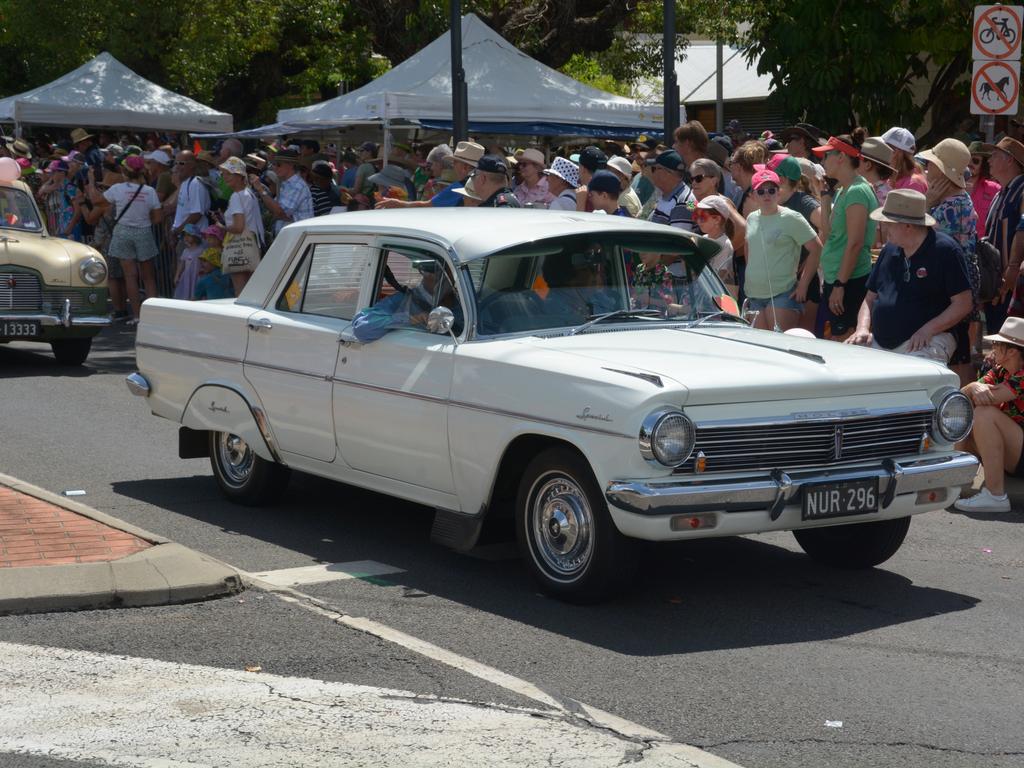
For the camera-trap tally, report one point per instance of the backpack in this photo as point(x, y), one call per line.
point(990, 270)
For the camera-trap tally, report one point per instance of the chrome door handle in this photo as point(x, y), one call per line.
point(262, 323)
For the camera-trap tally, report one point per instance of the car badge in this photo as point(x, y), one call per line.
point(11, 282)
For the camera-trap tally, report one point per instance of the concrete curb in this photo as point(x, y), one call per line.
point(165, 573)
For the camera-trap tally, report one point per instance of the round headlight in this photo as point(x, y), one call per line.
point(954, 417)
point(667, 437)
point(93, 270)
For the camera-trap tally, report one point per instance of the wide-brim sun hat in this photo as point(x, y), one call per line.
point(1013, 148)
point(468, 190)
point(566, 170)
point(233, 165)
point(1011, 332)
point(389, 176)
point(904, 206)
point(877, 151)
point(952, 158)
point(810, 132)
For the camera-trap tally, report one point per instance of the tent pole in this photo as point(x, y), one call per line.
point(670, 121)
point(460, 109)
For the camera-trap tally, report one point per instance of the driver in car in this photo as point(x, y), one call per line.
point(577, 288)
point(409, 307)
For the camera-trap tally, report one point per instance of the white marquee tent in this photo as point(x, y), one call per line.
point(509, 92)
point(104, 92)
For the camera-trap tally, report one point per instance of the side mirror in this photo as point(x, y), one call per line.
point(440, 321)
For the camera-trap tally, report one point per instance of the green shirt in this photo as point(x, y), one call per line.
point(773, 252)
point(858, 193)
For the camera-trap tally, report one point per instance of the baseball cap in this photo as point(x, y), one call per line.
point(763, 176)
point(900, 138)
point(716, 203)
point(158, 156)
point(493, 164)
point(593, 159)
point(668, 159)
point(786, 167)
point(605, 181)
point(134, 163)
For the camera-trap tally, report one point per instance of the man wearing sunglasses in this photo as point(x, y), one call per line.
point(918, 289)
point(410, 307)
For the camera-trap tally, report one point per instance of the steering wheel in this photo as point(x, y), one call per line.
point(495, 309)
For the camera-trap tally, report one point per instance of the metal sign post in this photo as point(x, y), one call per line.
point(670, 96)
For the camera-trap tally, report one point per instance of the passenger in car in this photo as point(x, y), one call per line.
point(411, 307)
point(575, 287)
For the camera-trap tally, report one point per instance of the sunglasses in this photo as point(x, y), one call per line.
point(767, 191)
point(699, 178)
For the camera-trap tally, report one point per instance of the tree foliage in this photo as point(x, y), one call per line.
point(841, 64)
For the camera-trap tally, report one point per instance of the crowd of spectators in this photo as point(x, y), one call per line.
point(861, 239)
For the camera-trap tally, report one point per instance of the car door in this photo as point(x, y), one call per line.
point(391, 394)
point(293, 343)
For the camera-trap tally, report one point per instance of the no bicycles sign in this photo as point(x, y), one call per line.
point(995, 87)
point(997, 32)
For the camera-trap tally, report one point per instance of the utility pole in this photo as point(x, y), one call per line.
point(671, 94)
point(460, 95)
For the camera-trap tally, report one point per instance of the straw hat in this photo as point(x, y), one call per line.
point(952, 157)
point(877, 151)
point(1013, 148)
point(389, 176)
point(80, 134)
point(1012, 332)
point(904, 206)
point(468, 190)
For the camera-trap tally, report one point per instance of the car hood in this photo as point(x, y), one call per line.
point(50, 256)
point(733, 364)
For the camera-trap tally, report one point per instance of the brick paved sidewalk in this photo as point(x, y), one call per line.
point(35, 532)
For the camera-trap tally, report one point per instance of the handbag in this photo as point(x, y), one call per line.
point(241, 252)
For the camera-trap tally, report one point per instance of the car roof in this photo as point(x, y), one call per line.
point(472, 233)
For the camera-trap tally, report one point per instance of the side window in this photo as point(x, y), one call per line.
point(327, 281)
point(423, 280)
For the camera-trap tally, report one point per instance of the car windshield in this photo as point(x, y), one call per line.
point(17, 211)
point(572, 281)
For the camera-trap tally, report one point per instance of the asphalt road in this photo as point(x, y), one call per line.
point(742, 647)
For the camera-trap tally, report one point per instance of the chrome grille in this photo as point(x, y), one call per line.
point(53, 301)
point(789, 446)
point(19, 291)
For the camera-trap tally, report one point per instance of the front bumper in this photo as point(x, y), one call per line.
point(775, 491)
point(66, 319)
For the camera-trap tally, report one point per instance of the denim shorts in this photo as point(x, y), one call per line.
point(782, 301)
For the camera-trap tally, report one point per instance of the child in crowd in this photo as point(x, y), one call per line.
point(212, 284)
point(213, 237)
point(188, 263)
point(711, 214)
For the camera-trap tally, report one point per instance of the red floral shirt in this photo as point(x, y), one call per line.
point(1015, 381)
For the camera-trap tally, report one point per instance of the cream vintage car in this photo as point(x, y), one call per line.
point(51, 289)
point(506, 376)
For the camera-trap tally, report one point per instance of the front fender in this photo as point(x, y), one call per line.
point(220, 408)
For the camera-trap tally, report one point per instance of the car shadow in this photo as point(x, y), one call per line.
point(687, 597)
point(113, 351)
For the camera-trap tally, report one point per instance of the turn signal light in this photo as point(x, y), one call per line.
point(693, 522)
point(701, 463)
point(934, 496)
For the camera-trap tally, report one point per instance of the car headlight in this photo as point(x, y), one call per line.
point(667, 436)
point(954, 416)
point(93, 270)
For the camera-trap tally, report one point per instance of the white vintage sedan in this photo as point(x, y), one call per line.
point(497, 366)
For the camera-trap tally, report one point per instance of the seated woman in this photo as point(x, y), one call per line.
point(998, 434)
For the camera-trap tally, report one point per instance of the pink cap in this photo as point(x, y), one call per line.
point(764, 176)
point(134, 163)
point(775, 159)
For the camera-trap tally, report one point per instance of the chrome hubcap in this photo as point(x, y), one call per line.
point(236, 458)
point(562, 527)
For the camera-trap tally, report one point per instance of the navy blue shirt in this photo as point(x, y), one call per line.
point(913, 291)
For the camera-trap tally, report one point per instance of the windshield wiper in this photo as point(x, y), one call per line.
point(594, 319)
point(715, 316)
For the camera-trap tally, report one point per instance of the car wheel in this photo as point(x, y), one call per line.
point(860, 545)
point(565, 532)
point(71, 351)
point(243, 476)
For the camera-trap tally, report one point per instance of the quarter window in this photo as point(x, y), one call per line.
point(328, 280)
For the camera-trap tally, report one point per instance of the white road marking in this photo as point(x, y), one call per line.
point(318, 574)
point(116, 710)
point(692, 756)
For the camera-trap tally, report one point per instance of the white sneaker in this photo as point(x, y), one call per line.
point(984, 501)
